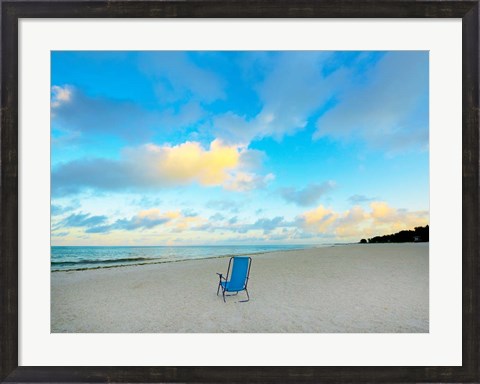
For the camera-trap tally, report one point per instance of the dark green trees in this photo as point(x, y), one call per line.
point(420, 234)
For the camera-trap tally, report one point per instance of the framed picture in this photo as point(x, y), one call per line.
point(276, 145)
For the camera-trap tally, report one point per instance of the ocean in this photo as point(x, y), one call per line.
point(65, 258)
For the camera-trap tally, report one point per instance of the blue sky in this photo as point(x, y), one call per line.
point(188, 148)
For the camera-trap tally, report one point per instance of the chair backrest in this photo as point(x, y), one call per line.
point(240, 272)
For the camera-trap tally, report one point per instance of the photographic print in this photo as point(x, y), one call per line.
point(239, 191)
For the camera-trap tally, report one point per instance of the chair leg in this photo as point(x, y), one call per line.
point(248, 297)
point(223, 292)
point(218, 289)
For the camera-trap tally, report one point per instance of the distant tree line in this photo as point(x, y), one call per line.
point(420, 234)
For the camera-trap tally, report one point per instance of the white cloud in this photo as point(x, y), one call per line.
point(388, 109)
point(79, 115)
point(178, 77)
point(358, 199)
point(243, 181)
point(308, 195)
point(173, 221)
point(61, 95)
point(291, 93)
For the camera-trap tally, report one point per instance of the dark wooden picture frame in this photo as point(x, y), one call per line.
point(12, 11)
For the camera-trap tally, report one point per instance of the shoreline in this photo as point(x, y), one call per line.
point(190, 259)
point(216, 257)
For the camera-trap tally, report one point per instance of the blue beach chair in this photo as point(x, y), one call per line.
point(238, 281)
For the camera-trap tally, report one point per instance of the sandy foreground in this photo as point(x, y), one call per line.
point(346, 288)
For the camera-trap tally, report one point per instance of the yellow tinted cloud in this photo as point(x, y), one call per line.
point(173, 219)
point(356, 222)
point(150, 166)
point(190, 161)
point(320, 219)
point(173, 214)
point(381, 210)
point(150, 214)
point(352, 223)
point(219, 165)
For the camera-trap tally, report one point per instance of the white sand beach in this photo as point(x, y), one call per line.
point(339, 289)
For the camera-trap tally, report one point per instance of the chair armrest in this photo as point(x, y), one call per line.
point(221, 276)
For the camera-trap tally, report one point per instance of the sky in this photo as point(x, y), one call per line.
point(237, 147)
